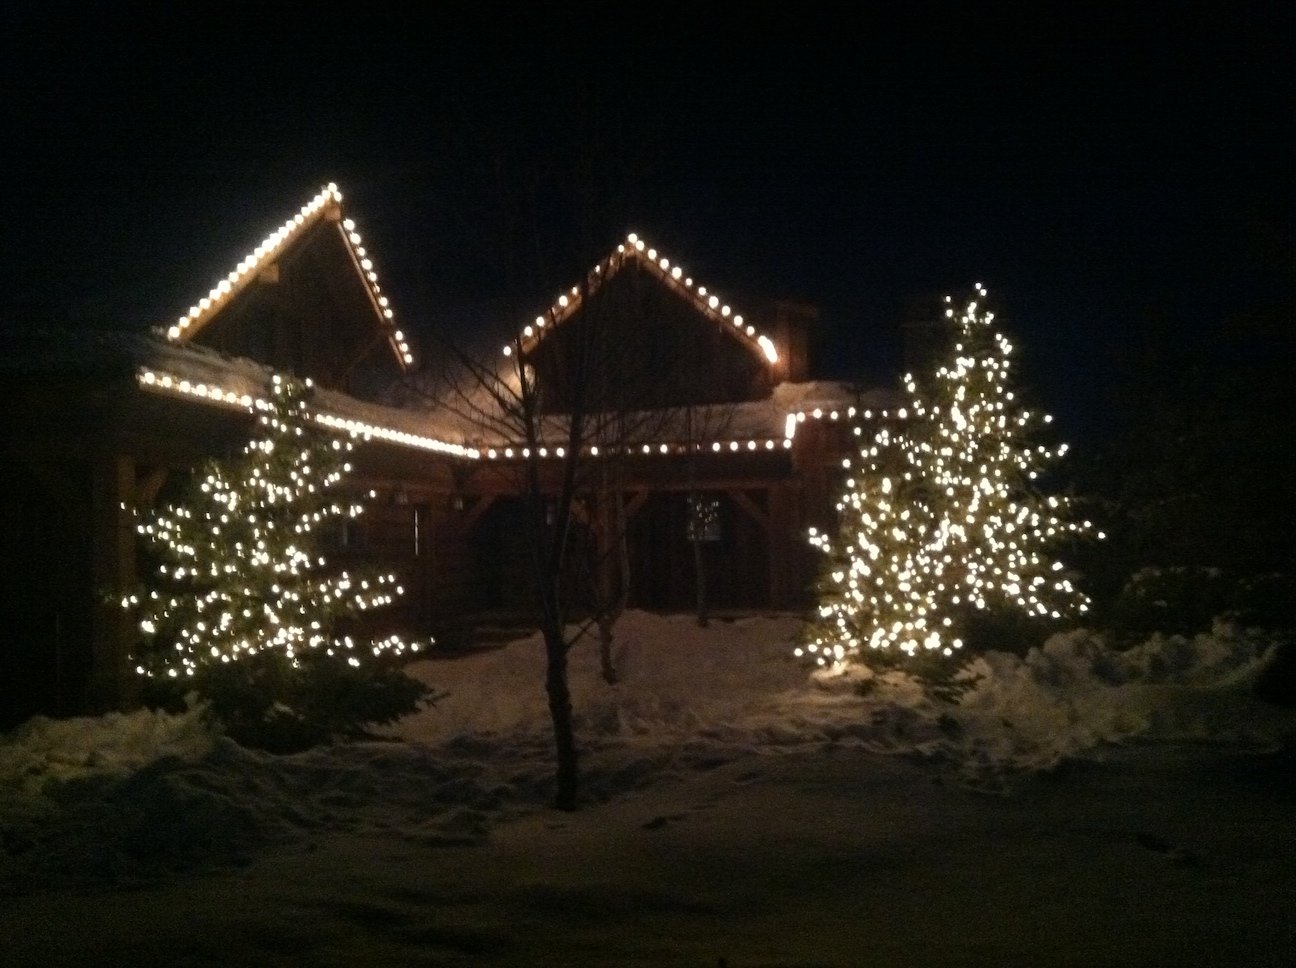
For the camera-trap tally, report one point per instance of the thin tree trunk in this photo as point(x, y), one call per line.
point(699, 569)
point(695, 528)
point(549, 547)
point(605, 633)
point(560, 712)
point(612, 577)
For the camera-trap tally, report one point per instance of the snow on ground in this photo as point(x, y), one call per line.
point(1078, 806)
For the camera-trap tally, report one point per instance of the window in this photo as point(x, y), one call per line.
point(704, 518)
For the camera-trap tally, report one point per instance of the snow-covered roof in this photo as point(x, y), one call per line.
point(325, 204)
point(766, 425)
point(745, 427)
point(203, 374)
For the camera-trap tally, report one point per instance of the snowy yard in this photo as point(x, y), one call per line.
point(1079, 807)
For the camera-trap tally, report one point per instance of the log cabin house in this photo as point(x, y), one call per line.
point(737, 457)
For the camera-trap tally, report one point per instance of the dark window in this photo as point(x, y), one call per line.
point(704, 523)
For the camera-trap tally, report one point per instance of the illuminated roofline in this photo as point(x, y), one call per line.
point(328, 199)
point(744, 445)
point(848, 414)
point(162, 382)
point(707, 303)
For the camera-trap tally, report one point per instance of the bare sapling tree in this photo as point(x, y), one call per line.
point(702, 424)
point(608, 563)
point(563, 416)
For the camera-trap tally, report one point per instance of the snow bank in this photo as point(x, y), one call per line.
point(735, 684)
point(122, 797)
point(1073, 696)
point(44, 751)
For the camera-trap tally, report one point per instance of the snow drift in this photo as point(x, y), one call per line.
point(128, 796)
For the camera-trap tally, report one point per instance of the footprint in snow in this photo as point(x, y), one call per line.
point(656, 823)
point(1172, 853)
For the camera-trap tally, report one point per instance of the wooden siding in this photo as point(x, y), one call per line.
point(309, 314)
point(637, 345)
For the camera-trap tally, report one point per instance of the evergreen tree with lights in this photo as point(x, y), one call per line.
point(243, 610)
point(943, 518)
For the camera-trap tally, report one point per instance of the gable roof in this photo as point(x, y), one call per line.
point(326, 205)
point(196, 372)
point(672, 277)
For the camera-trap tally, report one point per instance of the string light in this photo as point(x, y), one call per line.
point(650, 449)
point(709, 304)
point(161, 381)
point(265, 254)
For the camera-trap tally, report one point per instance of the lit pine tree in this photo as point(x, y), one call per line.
point(943, 517)
point(243, 607)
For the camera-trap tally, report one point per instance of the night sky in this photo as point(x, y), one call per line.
point(1110, 174)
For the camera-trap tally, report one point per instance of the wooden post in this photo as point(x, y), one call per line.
point(113, 546)
point(781, 552)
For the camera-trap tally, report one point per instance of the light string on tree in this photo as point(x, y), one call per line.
point(240, 570)
point(941, 515)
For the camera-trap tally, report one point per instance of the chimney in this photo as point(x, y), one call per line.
point(924, 331)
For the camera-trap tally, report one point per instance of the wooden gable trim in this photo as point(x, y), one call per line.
point(708, 304)
point(394, 338)
point(263, 264)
